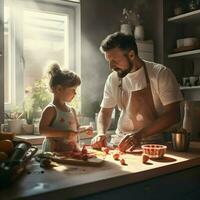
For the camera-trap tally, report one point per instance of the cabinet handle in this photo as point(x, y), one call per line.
point(1, 54)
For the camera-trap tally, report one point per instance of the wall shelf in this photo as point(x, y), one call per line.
point(186, 60)
point(193, 54)
point(189, 88)
point(187, 17)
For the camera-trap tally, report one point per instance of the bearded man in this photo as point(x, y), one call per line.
point(146, 93)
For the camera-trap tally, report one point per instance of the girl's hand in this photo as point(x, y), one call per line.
point(87, 129)
point(71, 135)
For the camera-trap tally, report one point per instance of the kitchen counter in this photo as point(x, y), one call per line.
point(69, 181)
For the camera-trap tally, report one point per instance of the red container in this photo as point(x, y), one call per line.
point(154, 150)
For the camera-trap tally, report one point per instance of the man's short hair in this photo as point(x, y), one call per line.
point(119, 40)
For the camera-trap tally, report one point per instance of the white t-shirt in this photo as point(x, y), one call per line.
point(165, 89)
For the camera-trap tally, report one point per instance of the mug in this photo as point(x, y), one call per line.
point(4, 128)
point(186, 81)
point(193, 80)
point(15, 125)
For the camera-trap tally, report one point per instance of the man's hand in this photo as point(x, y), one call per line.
point(98, 141)
point(130, 141)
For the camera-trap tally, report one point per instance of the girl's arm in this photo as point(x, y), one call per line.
point(46, 120)
point(82, 129)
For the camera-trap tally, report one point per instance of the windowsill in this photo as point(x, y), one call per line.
point(33, 139)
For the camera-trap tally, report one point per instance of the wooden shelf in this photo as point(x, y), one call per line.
point(194, 53)
point(189, 88)
point(187, 17)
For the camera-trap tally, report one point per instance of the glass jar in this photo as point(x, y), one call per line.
point(178, 8)
point(193, 5)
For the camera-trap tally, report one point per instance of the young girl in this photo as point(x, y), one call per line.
point(59, 121)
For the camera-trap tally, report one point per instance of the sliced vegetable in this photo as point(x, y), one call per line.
point(105, 149)
point(116, 156)
point(145, 158)
point(122, 161)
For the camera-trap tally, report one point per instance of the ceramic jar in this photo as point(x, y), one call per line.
point(126, 29)
point(139, 32)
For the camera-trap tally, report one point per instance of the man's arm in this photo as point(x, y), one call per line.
point(104, 120)
point(170, 117)
point(103, 123)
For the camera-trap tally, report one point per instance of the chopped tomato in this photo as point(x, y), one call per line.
point(123, 162)
point(116, 156)
point(84, 150)
point(145, 158)
point(105, 149)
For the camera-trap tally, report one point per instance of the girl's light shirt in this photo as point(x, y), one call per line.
point(65, 121)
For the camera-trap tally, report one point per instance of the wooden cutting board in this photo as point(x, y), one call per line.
point(90, 162)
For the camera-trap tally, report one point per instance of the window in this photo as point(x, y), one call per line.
point(34, 35)
point(7, 53)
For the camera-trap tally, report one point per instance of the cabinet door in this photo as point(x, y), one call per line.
point(182, 185)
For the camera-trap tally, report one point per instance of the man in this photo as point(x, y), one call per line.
point(146, 93)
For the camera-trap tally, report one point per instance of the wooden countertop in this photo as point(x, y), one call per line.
point(68, 181)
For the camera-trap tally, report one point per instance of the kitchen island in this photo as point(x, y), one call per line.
point(176, 176)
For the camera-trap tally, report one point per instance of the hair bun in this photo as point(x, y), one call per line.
point(54, 69)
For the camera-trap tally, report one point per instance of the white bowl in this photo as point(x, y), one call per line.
point(190, 42)
point(179, 43)
point(185, 42)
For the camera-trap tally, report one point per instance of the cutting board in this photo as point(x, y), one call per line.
point(90, 162)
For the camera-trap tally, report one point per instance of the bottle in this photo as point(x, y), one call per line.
point(187, 122)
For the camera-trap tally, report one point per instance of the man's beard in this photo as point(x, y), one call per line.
point(122, 74)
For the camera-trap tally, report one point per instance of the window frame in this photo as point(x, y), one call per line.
point(17, 58)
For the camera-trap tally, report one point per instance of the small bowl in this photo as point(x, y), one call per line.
point(154, 150)
point(185, 42)
point(190, 41)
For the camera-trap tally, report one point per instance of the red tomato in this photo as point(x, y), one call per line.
point(105, 149)
point(84, 150)
point(123, 162)
point(116, 156)
point(145, 158)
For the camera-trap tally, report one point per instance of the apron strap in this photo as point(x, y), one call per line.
point(149, 85)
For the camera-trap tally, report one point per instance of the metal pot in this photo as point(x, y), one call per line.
point(180, 141)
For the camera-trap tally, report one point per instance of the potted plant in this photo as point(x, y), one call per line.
point(28, 127)
point(37, 98)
